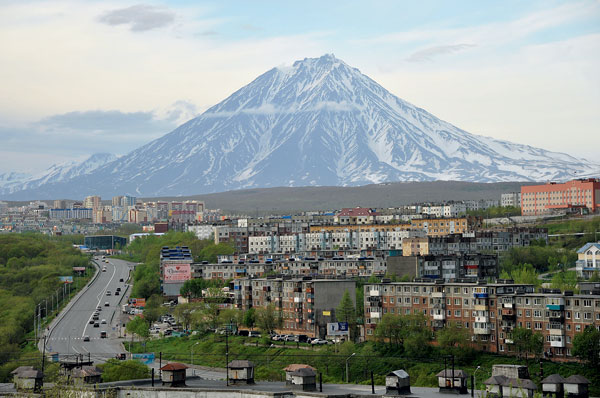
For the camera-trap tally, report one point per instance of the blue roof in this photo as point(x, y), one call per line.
point(588, 246)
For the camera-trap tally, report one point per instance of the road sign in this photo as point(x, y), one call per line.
point(338, 329)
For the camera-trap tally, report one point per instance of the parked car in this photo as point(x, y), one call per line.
point(318, 342)
point(243, 333)
point(253, 333)
point(121, 357)
point(275, 337)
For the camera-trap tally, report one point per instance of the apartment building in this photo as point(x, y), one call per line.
point(229, 270)
point(547, 198)
point(304, 305)
point(489, 311)
point(445, 226)
point(510, 199)
point(92, 202)
point(453, 266)
point(588, 260)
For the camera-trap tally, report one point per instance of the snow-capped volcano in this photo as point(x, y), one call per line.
point(317, 122)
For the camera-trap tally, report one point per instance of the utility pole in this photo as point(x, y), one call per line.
point(227, 355)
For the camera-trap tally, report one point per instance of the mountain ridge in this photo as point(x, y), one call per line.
point(318, 122)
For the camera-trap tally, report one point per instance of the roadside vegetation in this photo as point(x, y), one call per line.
point(30, 266)
point(496, 212)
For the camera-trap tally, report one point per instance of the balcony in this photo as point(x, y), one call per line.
point(557, 318)
point(555, 307)
point(507, 305)
point(482, 319)
point(557, 343)
point(298, 299)
point(480, 295)
point(439, 306)
point(556, 332)
point(375, 315)
point(481, 330)
point(480, 307)
point(508, 341)
point(374, 293)
point(437, 294)
point(439, 317)
point(507, 313)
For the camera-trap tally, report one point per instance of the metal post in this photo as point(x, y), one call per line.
point(320, 382)
point(227, 356)
point(160, 364)
point(43, 360)
point(472, 385)
point(452, 371)
point(152, 377)
point(372, 383)
point(34, 325)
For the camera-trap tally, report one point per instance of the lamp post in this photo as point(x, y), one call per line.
point(347, 368)
point(474, 373)
point(192, 353)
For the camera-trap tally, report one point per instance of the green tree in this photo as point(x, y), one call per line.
point(453, 339)
point(345, 312)
point(565, 281)
point(268, 319)
point(249, 319)
point(586, 346)
point(139, 326)
point(115, 370)
point(527, 343)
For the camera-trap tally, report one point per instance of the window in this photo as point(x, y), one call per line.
point(415, 300)
point(528, 325)
point(456, 301)
point(457, 313)
point(537, 313)
point(528, 313)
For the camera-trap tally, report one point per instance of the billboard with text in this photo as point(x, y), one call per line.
point(174, 273)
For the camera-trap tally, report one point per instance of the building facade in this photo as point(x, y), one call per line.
point(545, 199)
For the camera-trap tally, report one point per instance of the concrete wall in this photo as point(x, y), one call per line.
point(400, 266)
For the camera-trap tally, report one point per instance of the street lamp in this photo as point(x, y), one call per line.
point(474, 384)
point(347, 369)
point(192, 353)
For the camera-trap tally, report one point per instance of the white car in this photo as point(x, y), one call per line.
point(103, 322)
point(318, 342)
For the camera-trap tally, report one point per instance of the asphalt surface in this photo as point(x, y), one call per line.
point(66, 335)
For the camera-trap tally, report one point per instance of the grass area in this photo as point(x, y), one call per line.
point(590, 227)
point(209, 350)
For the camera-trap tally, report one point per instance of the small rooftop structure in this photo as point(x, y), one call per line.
point(173, 374)
point(552, 386)
point(453, 381)
point(397, 382)
point(241, 371)
point(292, 368)
point(503, 386)
point(511, 371)
point(87, 375)
point(304, 379)
point(576, 386)
point(27, 378)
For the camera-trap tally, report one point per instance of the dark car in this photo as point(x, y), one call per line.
point(91, 321)
point(96, 324)
point(103, 334)
point(121, 280)
point(117, 293)
point(121, 357)
point(86, 338)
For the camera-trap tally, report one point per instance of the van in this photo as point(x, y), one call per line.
point(103, 334)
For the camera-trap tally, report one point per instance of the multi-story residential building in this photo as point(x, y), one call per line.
point(60, 204)
point(202, 231)
point(303, 305)
point(510, 199)
point(236, 236)
point(418, 246)
point(588, 260)
point(137, 216)
point(92, 202)
point(355, 216)
point(454, 266)
point(489, 311)
point(71, 214)
point(547, 198)
point(229, 270)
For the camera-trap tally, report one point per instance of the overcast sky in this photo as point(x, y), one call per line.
point(81, 77)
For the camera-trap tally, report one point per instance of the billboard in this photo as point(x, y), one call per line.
point(148, 359)
point(174, 273)
point(338, 329)
point(138, 302)
point(66, 279)
point(79, 269)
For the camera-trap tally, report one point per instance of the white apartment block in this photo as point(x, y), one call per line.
point(510, 199)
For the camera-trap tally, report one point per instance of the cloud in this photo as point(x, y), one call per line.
point(252, 28)
point(429, 53)
point(270, 109)
point(104, 122)
point(140, 17)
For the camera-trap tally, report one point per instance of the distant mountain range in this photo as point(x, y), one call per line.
point(318, 122)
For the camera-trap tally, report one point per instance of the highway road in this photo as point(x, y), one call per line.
point(66, 334)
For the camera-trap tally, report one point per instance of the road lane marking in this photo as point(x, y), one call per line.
point(100, 297)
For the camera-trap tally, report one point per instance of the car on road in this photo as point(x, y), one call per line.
point(106, 304)
point(98, 308)
point(103, 334)
point(108, 292)
point(104, 269)
point(103, 321)
point(96, 325)
point(92, 321)
point(118, 289)
point(86, 338)
point(253, 333)
point(121, 280)
point(121, 357)
point(117, 293)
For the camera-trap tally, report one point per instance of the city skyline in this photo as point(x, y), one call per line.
point(89, 77)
